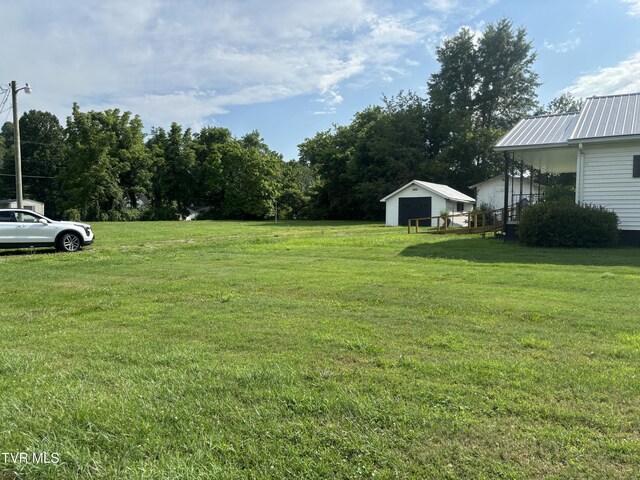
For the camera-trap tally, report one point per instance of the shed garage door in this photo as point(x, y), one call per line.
point(415, 207)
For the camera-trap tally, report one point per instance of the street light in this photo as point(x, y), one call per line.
point(16, 138)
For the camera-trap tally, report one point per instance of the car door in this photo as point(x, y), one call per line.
point(8, 229)
point(33, 232)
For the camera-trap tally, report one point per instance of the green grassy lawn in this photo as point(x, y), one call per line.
point(318, 350)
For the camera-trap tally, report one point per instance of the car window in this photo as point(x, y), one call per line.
point(26, 217)
point(7, 217)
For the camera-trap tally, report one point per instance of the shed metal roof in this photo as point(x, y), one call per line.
point(609, 116)
point(442, 190)
point(545, 130)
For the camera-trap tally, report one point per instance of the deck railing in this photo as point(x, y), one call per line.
point(473, 222)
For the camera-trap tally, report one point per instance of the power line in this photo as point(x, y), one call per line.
point(23, 176)
point(4, 102)
point(32, 142)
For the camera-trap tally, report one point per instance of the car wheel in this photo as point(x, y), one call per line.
point(69, 242)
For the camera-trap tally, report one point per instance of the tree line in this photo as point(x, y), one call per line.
point(101, 166)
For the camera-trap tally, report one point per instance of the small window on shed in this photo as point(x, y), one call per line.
point(460, 207)
point(636, 166)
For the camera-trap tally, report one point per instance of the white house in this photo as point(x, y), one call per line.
point(27, 204)
point(601, 144)
point(491, 192)
point(419, 199)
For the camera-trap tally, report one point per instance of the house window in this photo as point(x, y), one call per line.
point(460, 207)
point(636, 166)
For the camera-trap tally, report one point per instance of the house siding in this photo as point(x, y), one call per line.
point(491, 193)
point(607, 180)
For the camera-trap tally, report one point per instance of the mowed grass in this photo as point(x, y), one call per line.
point(318, 350)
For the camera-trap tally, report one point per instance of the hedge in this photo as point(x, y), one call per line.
point(566, 224)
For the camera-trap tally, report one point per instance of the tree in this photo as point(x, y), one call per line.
point(173, 158)
point(210, 147)
point(251, 173)
point(298, 181)
point(565, 103)
point(451, 107)
point(507, 81)
point(103, 150)
point(42, 154)
point(7, 165)
point(383, 148)
point(484, 86)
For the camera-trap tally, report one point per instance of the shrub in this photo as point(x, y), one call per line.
point(566, 224)
point(71, 215)
point(162, 213)
point(129, 215)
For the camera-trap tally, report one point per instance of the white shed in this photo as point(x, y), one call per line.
point(419, 199)
point(491, 192)
point(27, 204)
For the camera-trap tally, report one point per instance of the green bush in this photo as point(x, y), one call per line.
point(566, 224)
point(71, 215)
point(162, 213)
point(485, 209)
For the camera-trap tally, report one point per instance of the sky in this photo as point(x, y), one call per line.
point(288, 68)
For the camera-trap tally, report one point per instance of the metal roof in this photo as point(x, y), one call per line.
point(545, 130)
point(442, 190)
point(610, 116)
point(602, 118)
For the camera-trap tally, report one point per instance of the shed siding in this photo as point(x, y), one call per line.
point(607, 180)
point(412, 191)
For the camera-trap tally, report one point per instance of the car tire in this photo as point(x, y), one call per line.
point(68, 242)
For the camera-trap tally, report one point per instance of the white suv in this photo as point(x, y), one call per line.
point(24, 228)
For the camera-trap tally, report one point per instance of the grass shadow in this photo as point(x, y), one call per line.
point(492, 250)
point(319, 223)
point(27, 251)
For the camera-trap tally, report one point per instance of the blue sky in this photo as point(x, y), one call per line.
point(289, 68)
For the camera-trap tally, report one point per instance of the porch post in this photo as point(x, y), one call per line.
point(506, 188)
point(531, 186)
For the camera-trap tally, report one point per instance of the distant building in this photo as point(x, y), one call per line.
point(491, 192)
point(27, 204)
point(418, 199)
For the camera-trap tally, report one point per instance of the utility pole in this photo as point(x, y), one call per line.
point(16, 138)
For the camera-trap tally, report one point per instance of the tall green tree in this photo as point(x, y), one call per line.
point(104, 150)
point(484, 86)
point(173, 157)
point(42, 153)
point(298, 185)
point(7, 165)
point(330, 152)
point(251, 174)
point(211, 143)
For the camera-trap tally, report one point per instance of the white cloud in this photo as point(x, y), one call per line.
point(563, 47)
point(621, 78)
point(634, 7)
point(188, 61)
